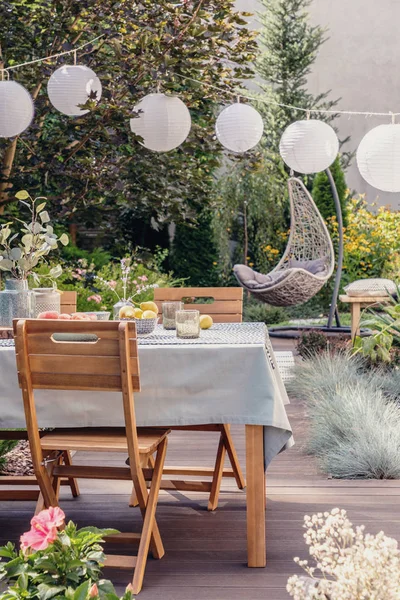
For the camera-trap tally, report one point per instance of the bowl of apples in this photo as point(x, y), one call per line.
point(145, 317)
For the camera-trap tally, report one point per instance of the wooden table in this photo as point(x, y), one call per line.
point(356, 303)
point(243, 386)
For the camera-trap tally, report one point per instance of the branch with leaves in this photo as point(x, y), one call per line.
point(21, 252)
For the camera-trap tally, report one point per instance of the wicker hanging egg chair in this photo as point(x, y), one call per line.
point(308, 261)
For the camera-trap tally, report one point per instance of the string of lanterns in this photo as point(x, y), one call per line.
point(164, 122)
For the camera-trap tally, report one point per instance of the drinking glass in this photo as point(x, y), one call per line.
point(168, 312)
point(187, 324)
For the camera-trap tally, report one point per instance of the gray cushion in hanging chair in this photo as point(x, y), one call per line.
point(307, 263)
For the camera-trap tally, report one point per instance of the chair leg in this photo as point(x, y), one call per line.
point(45, 481)
point(150, 464)
point(233, 457)
point(149, 521)
point(217, 477)
point(225, 445)
point(73, 483)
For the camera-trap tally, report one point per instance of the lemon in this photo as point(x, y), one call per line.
point(138, 313)
point(127, 312)
point(149, 314)
point(149, 306)
point(205, 321)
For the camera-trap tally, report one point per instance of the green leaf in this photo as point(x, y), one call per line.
point(40, 207)
point(22, 195)
point(64, 239)
point(82, 591)
point(44, 216)
point(49, 591)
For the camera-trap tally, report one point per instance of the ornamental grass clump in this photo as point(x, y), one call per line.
point(349, 563)
point(354, 416)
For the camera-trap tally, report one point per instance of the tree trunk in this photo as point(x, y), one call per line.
point(8, 161)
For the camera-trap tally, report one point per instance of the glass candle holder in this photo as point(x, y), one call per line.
point(168, 313)
point(187, 324)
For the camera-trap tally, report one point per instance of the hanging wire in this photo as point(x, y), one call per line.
point(307, 111)
point(281, 105)
point(52, 56)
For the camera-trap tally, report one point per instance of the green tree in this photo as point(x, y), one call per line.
point(194, 254)
point(322, 194)
point(289, 45)
point(92, 167)
point(253, 195)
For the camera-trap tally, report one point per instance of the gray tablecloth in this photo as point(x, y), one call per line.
point(228, 375)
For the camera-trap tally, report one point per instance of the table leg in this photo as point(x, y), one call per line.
point(355, 319)
point(255, 494)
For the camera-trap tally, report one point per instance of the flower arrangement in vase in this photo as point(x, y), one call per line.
point(20, 253)
point(129, 289)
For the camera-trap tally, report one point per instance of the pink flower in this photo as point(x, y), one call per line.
point(134, 281)
point(53, 515)
point(95, 298)
point(143, 278)
point(43, 529)
point(94, 591)
point(112, 284)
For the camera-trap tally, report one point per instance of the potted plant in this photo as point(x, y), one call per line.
point(20, 253)
point(56, 561)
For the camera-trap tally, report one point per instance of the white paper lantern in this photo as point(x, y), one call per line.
point(239, 127)
point(309, 146)
point(164, 122)
point(16, 109)
point(71, 86)
point(378, 157)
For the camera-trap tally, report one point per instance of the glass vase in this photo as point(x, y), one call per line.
point(17, 301)
point(117, 307)
point(46, 299)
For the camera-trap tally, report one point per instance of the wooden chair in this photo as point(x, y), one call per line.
point(226, 308)
point(107, 363)
point(68, 302)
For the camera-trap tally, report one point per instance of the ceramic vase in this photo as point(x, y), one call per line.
point(16, 301)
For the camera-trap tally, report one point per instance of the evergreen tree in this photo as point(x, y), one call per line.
point(289, 46)
point(194, 255)
point(322, 194)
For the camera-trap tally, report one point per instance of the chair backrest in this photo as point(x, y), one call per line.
point(68, 302)
point(309, 237)
point(226, 307)
point(77, 355)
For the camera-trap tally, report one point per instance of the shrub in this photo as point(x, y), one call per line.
point(314, 342)
point(322, 193)
point(371, 240)
point(56, 564)
point(349, 563)
point(355, 424)
point(263, 313)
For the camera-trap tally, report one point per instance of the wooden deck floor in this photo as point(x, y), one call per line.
point(206, 552)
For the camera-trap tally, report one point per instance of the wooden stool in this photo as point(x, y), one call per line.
point(358, 302)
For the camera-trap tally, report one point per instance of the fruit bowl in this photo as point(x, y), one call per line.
point(144, 326)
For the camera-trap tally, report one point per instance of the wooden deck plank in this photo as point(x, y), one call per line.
point(206, 552)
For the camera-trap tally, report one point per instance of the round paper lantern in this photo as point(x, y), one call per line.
point(16, 109)
point(72, 85)
point(163, 122)
point(239, 127)
point(309, 146)
point(378, 157)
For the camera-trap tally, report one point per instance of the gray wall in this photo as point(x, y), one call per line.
point(359, 63)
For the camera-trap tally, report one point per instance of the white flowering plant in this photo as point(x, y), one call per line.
point(128, 286)
point(349, 563)
point(21, 252)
